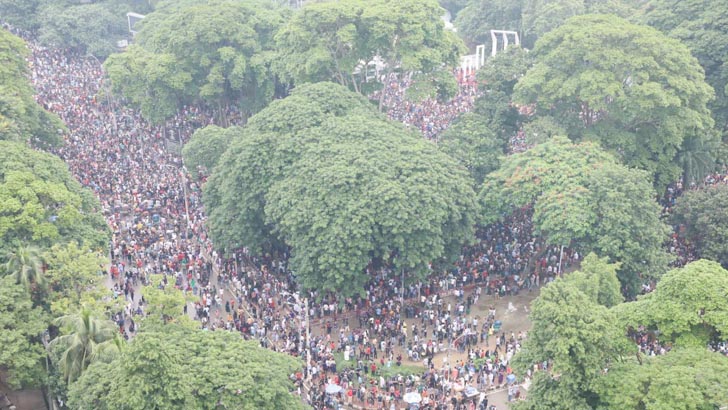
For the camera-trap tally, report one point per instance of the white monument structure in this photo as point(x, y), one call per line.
point(504, 35)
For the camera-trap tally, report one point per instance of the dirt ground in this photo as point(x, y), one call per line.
point(514, 321)
point(22, 399)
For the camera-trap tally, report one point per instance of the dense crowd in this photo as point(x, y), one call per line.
point(155, 212)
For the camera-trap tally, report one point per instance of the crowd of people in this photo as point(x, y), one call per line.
point(155, 212)
point(429, 116)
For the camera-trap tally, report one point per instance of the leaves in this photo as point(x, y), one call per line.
point(703, 216)
point(21, 326)
point(583, 198)
point(636, 91)
point(185, 368)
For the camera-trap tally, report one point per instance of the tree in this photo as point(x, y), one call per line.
point(21, 118)
point(87, 339)
point(636, 91)
point(25, 265)
point(475, 21)
point(21, 327)
point(185, 368)
point(218, 53)
point(88, 28)
point(703, 221)
point(688, 307)
point(578, 338)
point(165, 305)
point(470, 141)
point(597, 278)
point(206, 147)
point(234, 195)
point(74, 277)
point(310, 171)
point(41, 203)
point(583, 198)
point(367, 193)
point(687, 378)
point(336, 41)
point(700, 25)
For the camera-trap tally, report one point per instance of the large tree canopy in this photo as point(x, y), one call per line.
point(582, 197)
point(325, 173)
point(688, 307)
point(702, 219)
point(206, 146)
point(21, 327)
point(21, 118)
point(683, 379)
point(327, 41)
point(183, 368)
point(579, 338)
point(366, 191)
point(701, 26)
point(217, 53)
point(41, 202)
point(633, 89)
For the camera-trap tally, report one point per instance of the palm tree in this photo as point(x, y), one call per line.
point(697, 159)
point(26, 265)
point(88, 339)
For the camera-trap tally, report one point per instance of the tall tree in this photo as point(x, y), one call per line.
point(205, 148)
point(683, 379)
point(218, 53)
point(261, 155)
point(700, 25)
point(74, 276)
point(86, 338)
point(688, 307)
point(309, 171)
point(703, 221)
point(336, 41)
point(633, 89)
point(597, 278)
point(42, 203)
point(583, 198)
point(186, 368)
point(368, 193)
point(22, 119)
point(21, 328)
point(578, 338)
point(25, 265)
point(474, 145)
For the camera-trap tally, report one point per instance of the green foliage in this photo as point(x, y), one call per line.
point(683, 379)
point(597, 278)
point(701, 26)
point(688, 307)
point(578, 337)
point(42, 204)
point(165, 305)
point(327, 41)
point(324, 172)
point(474, 145)
point(218, 53)
point(25, 265)
point(184, 368)
point(498, 77)
point(542, 129)
point(21, 326)
point(261, 155)
point(21, 118)
point(583, 198)
point(366, 191)
point(206, 147)
point(89, 28)
point(704, 217)
point(74, 276)
point(86, 339)
point(631, 88)
point(475, 21)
